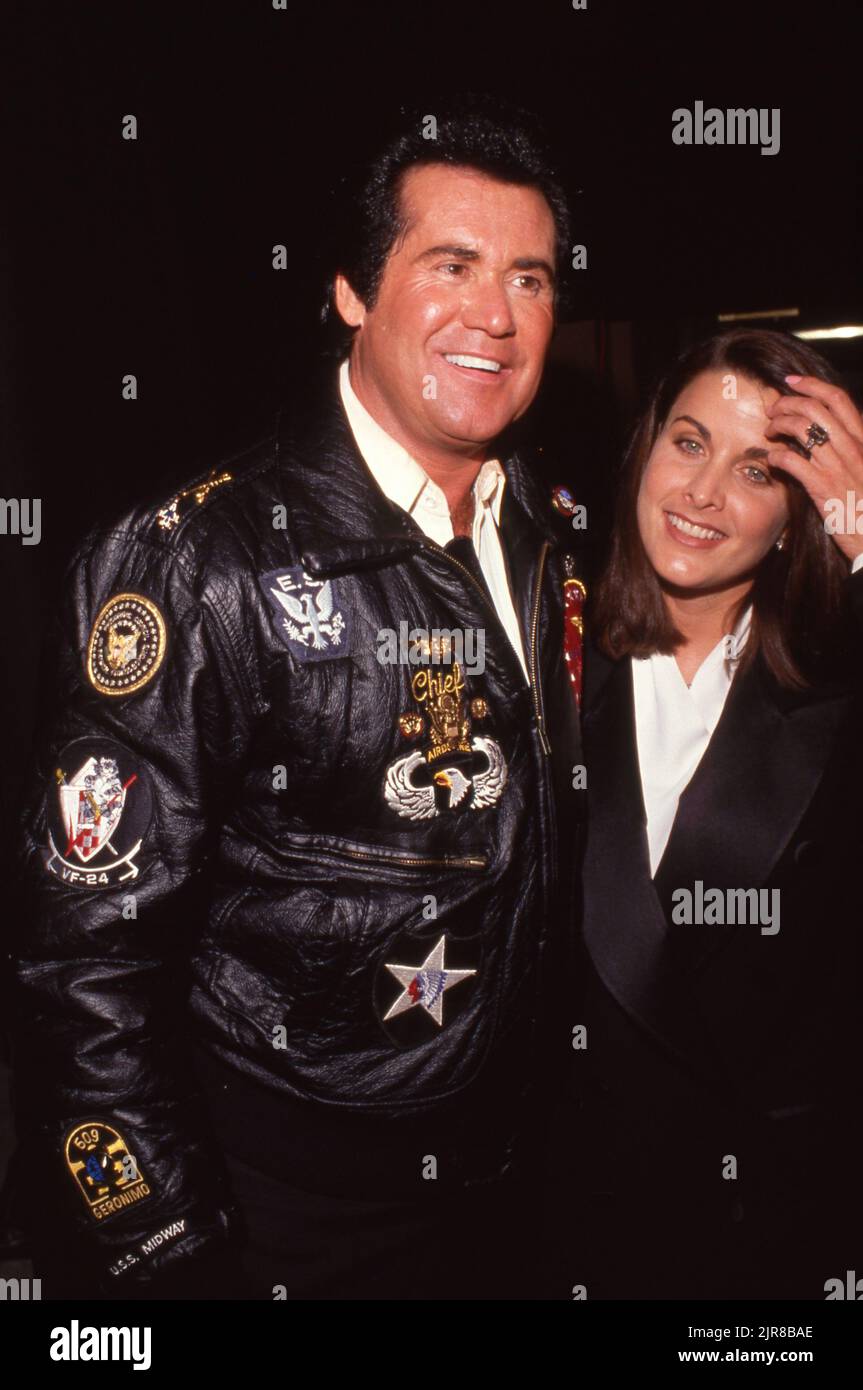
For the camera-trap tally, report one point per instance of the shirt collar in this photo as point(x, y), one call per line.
point(397, 473)
point(734, 642)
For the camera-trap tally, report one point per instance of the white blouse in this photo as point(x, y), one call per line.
point(674, 723)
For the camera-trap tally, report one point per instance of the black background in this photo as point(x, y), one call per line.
point(154, 257)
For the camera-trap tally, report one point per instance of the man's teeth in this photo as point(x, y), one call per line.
point(703, 533)
point(461, 360)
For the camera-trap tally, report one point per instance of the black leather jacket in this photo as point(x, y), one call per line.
point(226, 735)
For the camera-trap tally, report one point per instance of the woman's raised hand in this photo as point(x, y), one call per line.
point(833, 474)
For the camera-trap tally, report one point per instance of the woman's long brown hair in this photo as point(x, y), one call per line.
point(797, 592)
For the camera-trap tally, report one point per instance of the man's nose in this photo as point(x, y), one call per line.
point(486, 307)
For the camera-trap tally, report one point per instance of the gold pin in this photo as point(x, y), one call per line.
point(169, 516)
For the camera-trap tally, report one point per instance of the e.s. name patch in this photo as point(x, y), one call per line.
point(309, 615)
point(98, 811)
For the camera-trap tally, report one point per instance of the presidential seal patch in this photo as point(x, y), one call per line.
point(310, 618)
point(127, 645)
point(98, 813)
point(105, 1173)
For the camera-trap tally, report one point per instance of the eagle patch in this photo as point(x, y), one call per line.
point(308, 614)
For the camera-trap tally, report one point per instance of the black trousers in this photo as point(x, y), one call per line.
point(476, 1243)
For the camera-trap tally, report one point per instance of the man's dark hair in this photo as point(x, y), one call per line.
point(473, 132)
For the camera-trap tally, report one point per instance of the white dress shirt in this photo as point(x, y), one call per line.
point(674, 723)
point(405, 482)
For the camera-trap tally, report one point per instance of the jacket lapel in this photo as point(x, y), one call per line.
point(625, 929)
point(344, 523)
point(746, 798)
point(340, 515)
point(748, 794)
point(342, 520)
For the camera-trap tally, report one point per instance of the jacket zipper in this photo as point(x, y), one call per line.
point(534, 682)
point(451, 862)
point(532, 657)
point(469, 861)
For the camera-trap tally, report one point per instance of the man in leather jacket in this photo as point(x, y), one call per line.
point(300, 872)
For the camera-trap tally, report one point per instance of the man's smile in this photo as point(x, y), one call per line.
point(474, 366)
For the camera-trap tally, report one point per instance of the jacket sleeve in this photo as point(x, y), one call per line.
point(151, 721)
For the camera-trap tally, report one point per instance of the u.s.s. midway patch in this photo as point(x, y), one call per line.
point(105, 1172)
point(126, 646)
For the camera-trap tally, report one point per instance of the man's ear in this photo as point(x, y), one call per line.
point(350, 306)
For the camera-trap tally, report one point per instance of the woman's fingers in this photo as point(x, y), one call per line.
point(838, 403)
point(815, 481)
point(828, 459)
point(829, 488)
point(795, 414)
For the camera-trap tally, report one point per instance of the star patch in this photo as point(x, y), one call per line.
point(425, 985)
point(126, 646)
point(98, 813)
point(309, 617)
point(105, 1173)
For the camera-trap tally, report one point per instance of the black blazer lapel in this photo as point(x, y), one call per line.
point(747, 796)
point(625, 930)
point(745, 799)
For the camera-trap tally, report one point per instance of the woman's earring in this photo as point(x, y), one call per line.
point(780, 544)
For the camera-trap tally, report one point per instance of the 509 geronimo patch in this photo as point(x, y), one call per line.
point(106, 1174)
point(98, 813)
point(126, 646)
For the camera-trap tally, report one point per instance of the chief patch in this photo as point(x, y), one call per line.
point(98, 812)
point(127, 645)
point(105, 1173)
point(453, 770)
point(308, 613)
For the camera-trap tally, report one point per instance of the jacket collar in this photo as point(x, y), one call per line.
point(342, 519)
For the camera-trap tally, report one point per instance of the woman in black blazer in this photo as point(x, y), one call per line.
point(716, 1144)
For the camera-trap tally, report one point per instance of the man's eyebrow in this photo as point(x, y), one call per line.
point(468, 253)
point(531, 263)
point(462, 253)
point(752, 453)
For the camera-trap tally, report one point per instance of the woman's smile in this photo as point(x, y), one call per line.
point(692, 533)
